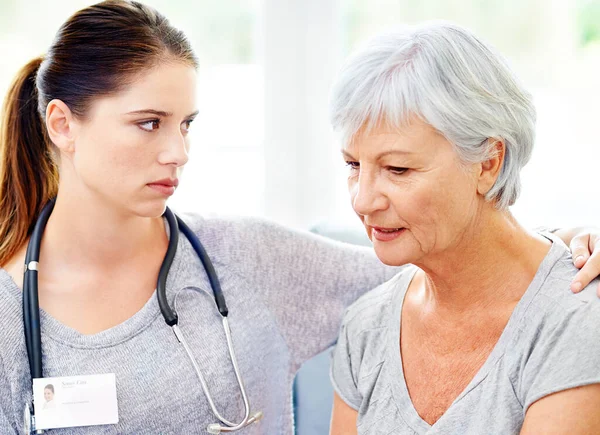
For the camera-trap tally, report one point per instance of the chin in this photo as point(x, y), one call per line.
point(149, 209)
point(393, 257)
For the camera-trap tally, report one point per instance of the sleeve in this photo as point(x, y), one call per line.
point(343, 378)
point(306, 280)
point(565, 353)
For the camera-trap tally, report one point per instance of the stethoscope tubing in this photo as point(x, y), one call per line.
point(177, 224)
point(31, 305)
point(31, 309)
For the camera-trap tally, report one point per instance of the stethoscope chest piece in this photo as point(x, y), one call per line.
point(27, 420)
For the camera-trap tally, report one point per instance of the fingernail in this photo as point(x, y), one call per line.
point(578, 259)
point(576, 286)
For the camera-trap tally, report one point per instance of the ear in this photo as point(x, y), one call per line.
point(60, 123)
point(490, 168)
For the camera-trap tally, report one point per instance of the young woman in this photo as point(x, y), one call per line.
point(108, 109)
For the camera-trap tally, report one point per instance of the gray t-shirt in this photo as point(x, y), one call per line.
point(551, 343)
point(286, 291)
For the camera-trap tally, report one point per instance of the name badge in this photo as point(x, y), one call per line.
point(72, 401)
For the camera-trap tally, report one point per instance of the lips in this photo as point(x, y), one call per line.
point(386, 234)
point(166, 186)
point(168, 182)
point(386, 229)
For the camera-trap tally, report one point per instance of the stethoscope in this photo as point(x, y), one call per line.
point(31, 315)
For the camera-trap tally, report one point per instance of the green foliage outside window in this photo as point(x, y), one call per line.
point(588, 21)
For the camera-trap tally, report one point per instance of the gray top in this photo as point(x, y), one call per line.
point(550, 344)
point(286, 291)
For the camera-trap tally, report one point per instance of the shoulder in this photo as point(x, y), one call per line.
point(554, 304)
point(236, 230)
point(556, 346)
point(364, 339)
point(228, 238)
point(373, 310)
point(10, 297)
point(211, 224)
point(11, 318)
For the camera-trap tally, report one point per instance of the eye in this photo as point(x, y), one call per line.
point(185, 126)
point(149, 125)
point(397, 170)
point(352, 165)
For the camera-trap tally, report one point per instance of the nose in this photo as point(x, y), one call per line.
point(366, 195)
point(175, 151)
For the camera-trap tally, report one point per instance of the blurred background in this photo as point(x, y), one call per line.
point(262, 144)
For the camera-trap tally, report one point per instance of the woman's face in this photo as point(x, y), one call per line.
point(412, 193)
point(48, 394)
point(130, 141)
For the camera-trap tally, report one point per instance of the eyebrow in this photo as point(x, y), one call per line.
point(379, 156)
point(158, 113)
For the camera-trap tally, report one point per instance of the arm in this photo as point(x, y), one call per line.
point(343, 418)
point(306, 281)
point(344, 374)
point(558, 381)
point(585, 246)
point(573, 411)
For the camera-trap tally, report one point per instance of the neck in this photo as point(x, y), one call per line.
point(491, 264)
point(87, 234)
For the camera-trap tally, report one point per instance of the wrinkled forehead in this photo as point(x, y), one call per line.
point(414, 136)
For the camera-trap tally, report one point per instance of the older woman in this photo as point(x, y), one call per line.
point(480, 335)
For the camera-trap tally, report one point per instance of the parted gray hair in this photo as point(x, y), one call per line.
point(450, 79)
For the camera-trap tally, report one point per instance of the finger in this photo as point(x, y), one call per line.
point(580, 250)
point(588, 272)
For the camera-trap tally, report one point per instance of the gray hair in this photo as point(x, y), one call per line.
point(450, 79)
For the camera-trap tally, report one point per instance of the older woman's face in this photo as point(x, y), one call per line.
point(412, 193)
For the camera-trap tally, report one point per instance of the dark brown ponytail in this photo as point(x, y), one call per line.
point(28, 175)
point(97, 52)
